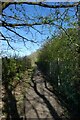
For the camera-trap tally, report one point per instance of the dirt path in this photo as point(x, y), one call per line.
point(40, 102)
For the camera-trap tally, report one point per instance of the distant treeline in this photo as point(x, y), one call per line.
point(59, 61)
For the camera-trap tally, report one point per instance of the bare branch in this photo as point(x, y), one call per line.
point(13, 17)
point(22, 24)
point(7, 41)
point(20, 35)
point(6, 4)
point(52, 6)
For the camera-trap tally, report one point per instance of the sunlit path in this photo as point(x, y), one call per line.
point(41, 103)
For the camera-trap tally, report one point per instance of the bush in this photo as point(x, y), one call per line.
point(58, 59)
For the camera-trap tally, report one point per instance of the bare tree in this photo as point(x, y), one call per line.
point(16, 18)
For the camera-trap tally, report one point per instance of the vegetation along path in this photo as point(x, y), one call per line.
point(40, 102)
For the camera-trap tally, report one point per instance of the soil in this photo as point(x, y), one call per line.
point(40, 102)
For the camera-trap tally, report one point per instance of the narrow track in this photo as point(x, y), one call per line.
point(40, 102)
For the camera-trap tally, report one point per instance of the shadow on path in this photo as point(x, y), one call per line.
point(49, 106)
point(10, 105)
point(33, 107)
point(40, 102)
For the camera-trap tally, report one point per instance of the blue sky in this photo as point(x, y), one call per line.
point(30, 11)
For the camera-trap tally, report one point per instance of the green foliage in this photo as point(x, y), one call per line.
point(58, 59)
point(13, 69)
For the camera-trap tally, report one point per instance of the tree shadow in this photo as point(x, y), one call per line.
point(48, 104)
point(73, 113)
point(10, 106)
point(33, 107)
